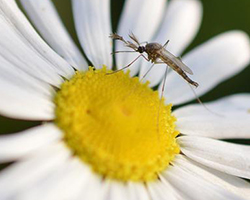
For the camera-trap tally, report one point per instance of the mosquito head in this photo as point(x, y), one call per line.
point(141, 49)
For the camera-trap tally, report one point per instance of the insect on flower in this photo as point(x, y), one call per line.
point(157, 54)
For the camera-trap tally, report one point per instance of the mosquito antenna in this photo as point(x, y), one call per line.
point(133, 37)
point(125, 66)
point(201, 103)
point(115, 36)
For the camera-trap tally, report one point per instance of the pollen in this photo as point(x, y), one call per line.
point(116, 125)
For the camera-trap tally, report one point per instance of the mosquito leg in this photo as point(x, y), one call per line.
point(166, 43)
point(155, 63)
point(160, 63)
point(125, 66)
point(162, 91)
point(147, 71)
point(201, 103)
point(122, 52)
point(164, 82)
point(145, 57)
point(134, 88)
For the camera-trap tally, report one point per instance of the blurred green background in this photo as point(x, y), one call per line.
point(219, 16)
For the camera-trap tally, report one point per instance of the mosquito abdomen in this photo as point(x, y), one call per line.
point(184, 75)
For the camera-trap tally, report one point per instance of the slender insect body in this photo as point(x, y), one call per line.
point(156, 51)
point(179, 70)
point(157, 54)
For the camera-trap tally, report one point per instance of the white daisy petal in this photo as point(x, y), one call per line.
point(16, 146)
point(117, 191)
point(59, 184)
point(137, 191)
point(232, 120)
point(162, 191)
point(229, 158)
point(181, 24)
point(95, 189)
point(22, 104)
point(79, 175)
point(40, 189)
point(142, 17)
point(21, 27)
point(212, 63)
point(46, 19)
point(195, 188)
point(24, 174)
point(15, 76)
point(233, 184)
point(128, 191)
point(15, 50)
point(92, 21)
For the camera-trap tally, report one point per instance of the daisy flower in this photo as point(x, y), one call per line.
point(100, 137)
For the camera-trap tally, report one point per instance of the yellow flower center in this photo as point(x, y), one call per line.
point(113, 123)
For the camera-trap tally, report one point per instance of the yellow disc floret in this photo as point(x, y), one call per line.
point(116, 124)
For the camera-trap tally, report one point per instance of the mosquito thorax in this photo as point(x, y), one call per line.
point(152, 47)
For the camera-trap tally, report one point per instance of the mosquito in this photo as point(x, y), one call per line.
point(157, 54)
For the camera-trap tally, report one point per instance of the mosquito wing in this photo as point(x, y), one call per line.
point(165, 54)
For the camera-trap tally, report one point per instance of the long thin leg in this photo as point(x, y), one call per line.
point(155, 63)
point(125, 66)
point(164, 82)
point(132, 90)
point(162, 91)
point(160, 63)
point(201, 103)
point(122, 52)
point(166, 43)
point(147, 71)
point(145, 57)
